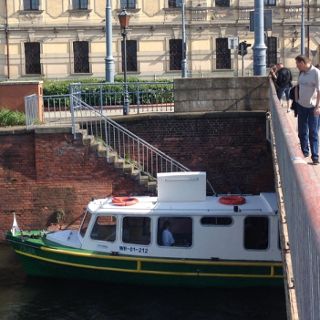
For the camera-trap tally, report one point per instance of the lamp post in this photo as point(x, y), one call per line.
point(259, 48)
point(184, 47)
point(302, 28)
point(109, 74)
point(124, 18)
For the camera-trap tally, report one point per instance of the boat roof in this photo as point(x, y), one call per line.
point(265, 203)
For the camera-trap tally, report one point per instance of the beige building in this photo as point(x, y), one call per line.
point(66, 38)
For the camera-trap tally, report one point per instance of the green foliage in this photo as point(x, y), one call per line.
point(112, 94)
point(11, 118)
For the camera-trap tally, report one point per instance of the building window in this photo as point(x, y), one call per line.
point(216, 221)
point(32, 55)
point(175, 232)
point(131, 55)
point(136, 230)
point(174, 3)
point(128, 4)
point(223, 54)
point(271, 51)
point(256, 233)
point(222, 3)
point(104, 228)
point(269, 3)
point(81, 56)
point(31, 4)
point(80, 4)
point(175, 54)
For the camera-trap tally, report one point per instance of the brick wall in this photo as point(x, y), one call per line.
point(12, 94)
point(231, 147)
point(44, 172)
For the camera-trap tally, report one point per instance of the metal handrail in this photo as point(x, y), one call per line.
point(130, 148)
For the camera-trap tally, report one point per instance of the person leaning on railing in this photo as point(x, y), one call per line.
point(308, 107)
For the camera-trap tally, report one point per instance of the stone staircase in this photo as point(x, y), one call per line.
point(98, 146)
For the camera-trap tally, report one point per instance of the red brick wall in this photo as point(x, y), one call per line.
point(42, 173)
point(12, 94)
point(230, 146)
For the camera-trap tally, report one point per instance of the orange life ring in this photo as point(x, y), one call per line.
point(232, 200)
point(124, 201)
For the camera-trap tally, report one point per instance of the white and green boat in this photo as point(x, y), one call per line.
point(181, 237)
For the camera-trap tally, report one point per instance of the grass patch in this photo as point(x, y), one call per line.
point(11, 118)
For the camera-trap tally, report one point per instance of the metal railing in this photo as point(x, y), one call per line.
point(133, 150)
point(143, 96)
point(108, 99)
point(31, 107)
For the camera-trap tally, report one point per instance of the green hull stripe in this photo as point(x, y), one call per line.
point(138, 270)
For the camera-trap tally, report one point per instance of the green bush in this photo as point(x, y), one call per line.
point(113, 94)
point(11, 118)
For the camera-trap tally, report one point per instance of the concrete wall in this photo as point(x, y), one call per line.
point(221, 94)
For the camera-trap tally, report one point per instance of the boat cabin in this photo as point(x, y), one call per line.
point(182, 222)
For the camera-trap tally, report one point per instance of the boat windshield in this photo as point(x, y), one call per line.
point(85, 223)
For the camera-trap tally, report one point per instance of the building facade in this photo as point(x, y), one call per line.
point(50, 39)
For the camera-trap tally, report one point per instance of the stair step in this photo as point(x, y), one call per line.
point(127, 168)
point(111, 156)
point(152, 185)
point(119, 163)
point(102, 151)
point(87, 139)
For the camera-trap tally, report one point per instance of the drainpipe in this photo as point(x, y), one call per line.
point(6, 30)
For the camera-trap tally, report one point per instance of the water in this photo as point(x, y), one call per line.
point(23, 298)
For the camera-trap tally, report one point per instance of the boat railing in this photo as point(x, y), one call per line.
point(131, 149)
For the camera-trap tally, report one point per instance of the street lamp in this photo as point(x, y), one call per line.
point(124, 18)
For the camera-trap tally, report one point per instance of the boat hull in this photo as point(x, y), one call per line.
point(43, 259)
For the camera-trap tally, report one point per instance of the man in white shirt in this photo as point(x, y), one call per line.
point(167, 237)
point(308, 107)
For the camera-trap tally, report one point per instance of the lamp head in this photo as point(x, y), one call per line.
point(124, 18)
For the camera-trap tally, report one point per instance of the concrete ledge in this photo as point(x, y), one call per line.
point(221, 94)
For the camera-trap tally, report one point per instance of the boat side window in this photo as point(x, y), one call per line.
point(85, 223)
point(104, 228)
point(136, 230)
point(216, 221)
point(256, 233)
point(174, 231)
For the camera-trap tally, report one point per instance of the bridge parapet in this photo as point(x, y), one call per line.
point(300, 187)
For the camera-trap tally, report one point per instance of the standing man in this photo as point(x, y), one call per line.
point(283, 83)
point(308, 99)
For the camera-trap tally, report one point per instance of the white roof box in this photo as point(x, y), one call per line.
point(181, 186)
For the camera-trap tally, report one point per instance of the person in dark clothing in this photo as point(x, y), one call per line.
point(283, 83)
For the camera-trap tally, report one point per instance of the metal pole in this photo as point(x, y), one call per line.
point(109, 61)
point(302, 28)
point(242, 66)
point(184, 46)
point(126, 95)
point(259, 48)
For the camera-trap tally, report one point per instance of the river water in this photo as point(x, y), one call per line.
point(23, 298)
